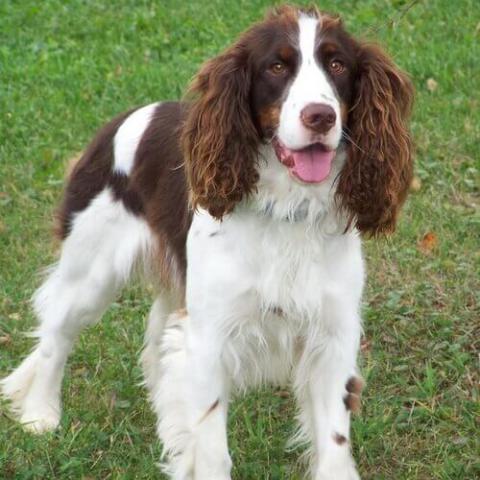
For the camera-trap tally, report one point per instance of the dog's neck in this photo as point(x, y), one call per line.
point(280, 197)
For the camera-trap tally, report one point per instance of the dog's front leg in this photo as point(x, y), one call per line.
point(218, 297)
point(207, 398)
point(191, 399)
point(328, 389)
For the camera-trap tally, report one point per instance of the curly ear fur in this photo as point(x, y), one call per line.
point(219, 138)
point(375, 179)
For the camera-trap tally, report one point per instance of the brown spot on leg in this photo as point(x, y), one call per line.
point(354, 388)
point(210, 410)
point(352, 402)
point(355, 385)
point(339, 439)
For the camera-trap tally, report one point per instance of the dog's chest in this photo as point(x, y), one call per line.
point(288, 268)
point(263, 265)
point(295, 269)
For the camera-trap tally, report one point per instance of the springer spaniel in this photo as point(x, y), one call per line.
point(246, 205)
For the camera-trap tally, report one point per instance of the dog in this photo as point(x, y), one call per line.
point(245, 204)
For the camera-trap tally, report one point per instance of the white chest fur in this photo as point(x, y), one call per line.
point(285, 265)
point(267, 283)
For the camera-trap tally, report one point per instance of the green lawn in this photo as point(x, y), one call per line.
point(68, 66)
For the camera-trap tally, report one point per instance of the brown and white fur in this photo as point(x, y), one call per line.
point(247, 203)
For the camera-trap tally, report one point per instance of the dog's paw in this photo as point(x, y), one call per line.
point(39, 422)
point(350, 474)
point(36, 412)
point(340, 470)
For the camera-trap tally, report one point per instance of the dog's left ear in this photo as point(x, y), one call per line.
point(375, 179)
point(219, 139)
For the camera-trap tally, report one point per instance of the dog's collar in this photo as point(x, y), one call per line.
point(298, 215)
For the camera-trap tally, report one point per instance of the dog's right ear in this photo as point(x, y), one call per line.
point(219, 139)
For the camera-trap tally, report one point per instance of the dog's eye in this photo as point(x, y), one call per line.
point(277, 68)
point(336, 66)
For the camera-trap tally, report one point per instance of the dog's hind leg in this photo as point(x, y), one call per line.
point(97, 257)
point(165, 303)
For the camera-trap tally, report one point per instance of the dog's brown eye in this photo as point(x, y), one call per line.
point(336, 66)
point(277, 68)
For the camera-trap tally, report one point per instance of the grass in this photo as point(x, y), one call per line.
point(66, 67)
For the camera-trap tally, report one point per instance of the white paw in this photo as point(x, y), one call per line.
point(217, 468)
point(37, 413)
point(347, 471)
point(40, 421)
point(350, 474)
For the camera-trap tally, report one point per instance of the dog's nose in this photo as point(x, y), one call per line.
point(318, 117)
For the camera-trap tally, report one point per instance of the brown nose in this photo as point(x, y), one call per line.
point(318, 117)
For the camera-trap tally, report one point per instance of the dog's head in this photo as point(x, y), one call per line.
point(299, 81)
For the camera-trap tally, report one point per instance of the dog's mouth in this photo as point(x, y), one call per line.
point(311, 164)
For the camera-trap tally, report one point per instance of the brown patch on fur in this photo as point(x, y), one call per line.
point(269, 118)
point(352, 402)
point(120, 185)
point(219, 138)
point(328, 47)
point(158, 179)
point(214, 405)
point(168, 268)
point(344, 113)
point(89, 175)
point(374, 182)
point(355, 385)
point(287, 53)
point(339, 439)
point(155, 189)
point(354, 388)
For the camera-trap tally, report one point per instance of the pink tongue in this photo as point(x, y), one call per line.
point(312, 164)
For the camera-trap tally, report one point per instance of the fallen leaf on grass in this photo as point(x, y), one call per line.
point(80, 371)
point(113, 400)
point(428, 243)
point(365, 345)
point(5, 198)
point(432, 85)
point(5, 339)
point(460, 440)
point(468, 125)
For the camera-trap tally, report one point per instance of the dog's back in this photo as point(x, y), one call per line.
point(137, 157)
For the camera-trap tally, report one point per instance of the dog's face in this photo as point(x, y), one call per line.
point(300, 82)
point(302, 90)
